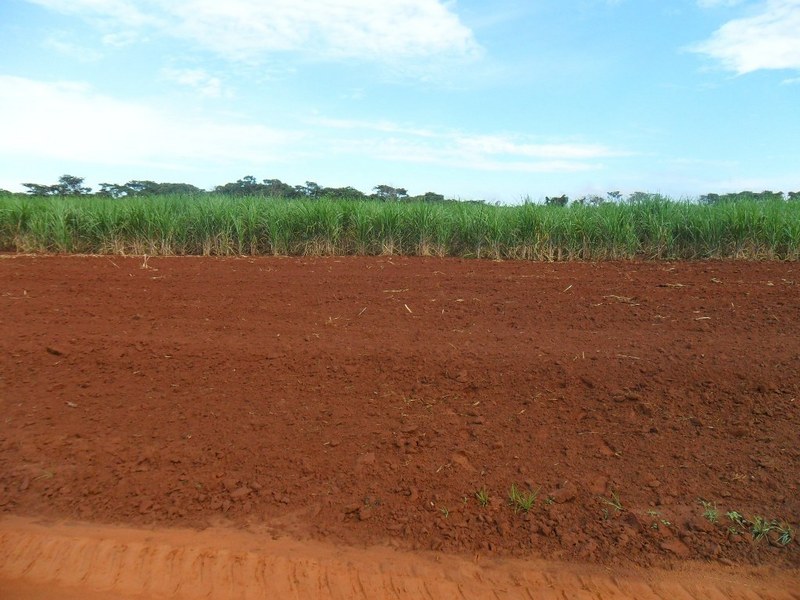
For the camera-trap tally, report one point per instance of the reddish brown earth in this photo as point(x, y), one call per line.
point(364, 401)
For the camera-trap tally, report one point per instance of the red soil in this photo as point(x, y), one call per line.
point(366, 400)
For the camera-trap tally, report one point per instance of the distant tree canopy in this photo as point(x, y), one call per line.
point(389, 193)
point(342, 193)
point(69, 185)
point(556, 200)
point(766, 196)
point(145, 188)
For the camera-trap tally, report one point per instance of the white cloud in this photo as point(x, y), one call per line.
point(498, 145)
point(120, 11)
point(767, 40)
point(70, 121)
point(715, 3)
point(383, 126)
point(73, 123)
point(207, 85)
point(386, 31)
point(80, 53)
point(482, 152)
point(120, 39)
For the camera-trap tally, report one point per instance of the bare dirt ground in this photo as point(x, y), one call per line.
point(351, 408)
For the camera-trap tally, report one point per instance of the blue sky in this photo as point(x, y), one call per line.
point(473, 99)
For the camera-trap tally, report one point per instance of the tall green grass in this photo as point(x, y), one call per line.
point(219, 225)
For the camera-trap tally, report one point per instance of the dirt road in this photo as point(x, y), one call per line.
point(66, 562)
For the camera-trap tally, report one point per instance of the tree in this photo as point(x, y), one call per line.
point(615, 196)
point(139, 187)
point(389, 193)
point(68, 185)
point(35, 189)
point(186, 189)
point(431, 197)
point(644, 197)
point(277, 189)
point(710, 199)
point(246, 186)
point(146, 188)
point(111, 190)
point(793, 196)
point(745, 196)
point(309, 190)
point(556, 200)
point(769, 196)
point(342, 193)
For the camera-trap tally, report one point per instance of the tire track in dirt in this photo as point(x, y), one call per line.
point(63, 560)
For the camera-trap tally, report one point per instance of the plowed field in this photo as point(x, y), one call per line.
point(352, 407)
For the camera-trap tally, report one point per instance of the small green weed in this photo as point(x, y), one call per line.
point(482, 495)
point(444, 511)
point(760, 527)
point(614, 501)
point(710, 511)
point(737, 518)
point(522, 501)
point(785, 533)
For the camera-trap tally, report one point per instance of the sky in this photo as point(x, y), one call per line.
point(497, 100)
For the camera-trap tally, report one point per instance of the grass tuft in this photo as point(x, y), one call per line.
point(522, 501)
point(614, 502)
point(710, 511)
point(482, 496)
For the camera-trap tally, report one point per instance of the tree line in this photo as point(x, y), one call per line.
point(70, 185)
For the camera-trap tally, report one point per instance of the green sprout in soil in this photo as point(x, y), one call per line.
point(785, 533)
point(482, 495)
point(522, 501)
point(444, 511)
point(736, 518)
point(614, 501)
point(710, 511)
point(760, 527)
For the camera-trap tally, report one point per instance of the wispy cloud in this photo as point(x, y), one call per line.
point(120, 39)
point(81, 53)
point(118, 11)
point(72, 122)
point(768, 39)
point(197, 79)
point(380, 126)
point(388, 31)
point(457, 149)
point(716, 3)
